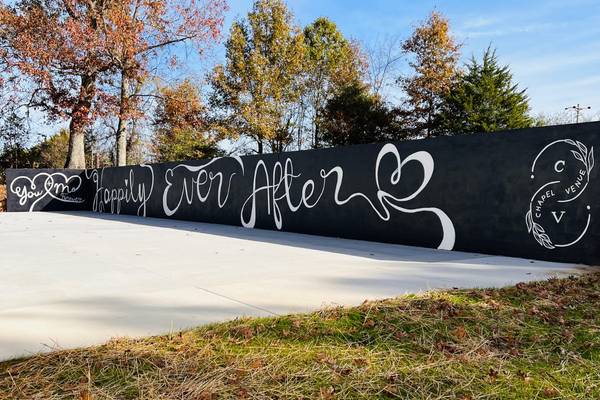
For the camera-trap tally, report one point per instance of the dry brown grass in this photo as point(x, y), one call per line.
point(2, 198)
point(535, 340)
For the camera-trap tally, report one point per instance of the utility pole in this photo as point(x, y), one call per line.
point(578, 109)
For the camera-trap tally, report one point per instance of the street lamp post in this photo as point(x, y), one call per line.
point(578, 108)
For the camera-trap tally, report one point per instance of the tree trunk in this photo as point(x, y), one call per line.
point(76, 154)
point(260, 146)
point(133, 153)
point(121, 131)
point(430, 118)
point(79, 122)
point(316, 137)
point(121, 144)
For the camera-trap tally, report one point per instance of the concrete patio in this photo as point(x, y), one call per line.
point(75, 279)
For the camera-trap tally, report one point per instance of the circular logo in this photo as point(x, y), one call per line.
point(554, 215)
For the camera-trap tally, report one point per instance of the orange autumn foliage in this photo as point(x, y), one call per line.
point(2, 198)
point(66, 53)
point(434, 56)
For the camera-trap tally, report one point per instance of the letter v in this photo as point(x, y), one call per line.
point(557, 219)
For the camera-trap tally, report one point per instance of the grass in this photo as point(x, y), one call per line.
point(533, 340)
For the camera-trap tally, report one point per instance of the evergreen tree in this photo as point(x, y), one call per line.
point(53, 151)
point(13, 140)
point(356, 116)
point(484, 99)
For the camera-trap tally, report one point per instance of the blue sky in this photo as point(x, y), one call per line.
point(553, 47)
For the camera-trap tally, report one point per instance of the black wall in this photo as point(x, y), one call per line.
point(529, 193)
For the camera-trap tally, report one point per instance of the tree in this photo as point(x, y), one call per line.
point(181, 126)
point(259, 86)
point(356, 116)
point(53, 151)
point(68, 51)
point(15, 156)
point(383, 57)
point(332, 62)
point(435, 56)
point(13, 137)
point(562, 118)
point(484, 99)
point(128, 110)
point(136, 147)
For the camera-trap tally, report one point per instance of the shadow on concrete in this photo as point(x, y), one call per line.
point(359, 248)
point(132, 314)
point(84, 282)
point(84, 321)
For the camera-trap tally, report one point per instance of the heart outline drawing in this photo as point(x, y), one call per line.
point(49, 187)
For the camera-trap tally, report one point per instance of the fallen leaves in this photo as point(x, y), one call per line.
point(446, 347)
point(369, 323)
point(462, 344)
point(445, 308)
point(360, 362)
point(460, 332)
point(550, 392)
point(244, 332)
point(524, 376)
point(327, 392)
point(390, 390)
point(568, 335)
point(206, 395)
point(400, 335)
point(533, 311)
point(324, 358)
point(257, 363)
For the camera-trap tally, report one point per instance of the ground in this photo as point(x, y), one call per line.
point(529, 341)
point(80, 279)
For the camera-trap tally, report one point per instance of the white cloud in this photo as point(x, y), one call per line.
point(554, 62)
point(479, 22)
point(508, 30)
